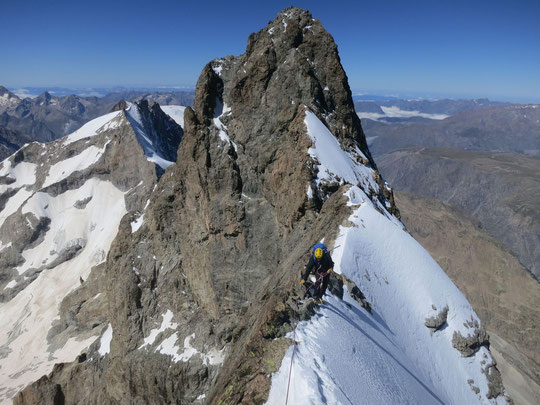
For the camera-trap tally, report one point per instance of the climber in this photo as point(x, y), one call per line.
point(321, 264)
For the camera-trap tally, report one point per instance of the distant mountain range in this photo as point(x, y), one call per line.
point(411, 111)
point(48, 117)
point(501, 128)
point(29, 91)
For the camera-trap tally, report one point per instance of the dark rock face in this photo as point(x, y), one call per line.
point(226, 231)
point(41, 392)
point(162, 131)
point(121, 105)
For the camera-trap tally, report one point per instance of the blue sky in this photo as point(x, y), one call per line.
point(467, 49)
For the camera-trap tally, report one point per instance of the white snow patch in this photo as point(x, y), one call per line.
point(14, 203)
point(80, 162)
point(223, 135)
point(165, 324)
point(168, 347)
point(176, 112)
point(219, 67)
point(309, 192)
point(2, 246)
point(335, 164)
point(217, 70)
point(23, 173)
point(105, 342)
point(91, 128)
point(135, 225)
point(11, 284)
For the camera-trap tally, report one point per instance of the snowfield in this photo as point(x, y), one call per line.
point(27, 318)
point(93, 128)
point(176, 112)
point(346, 355)
point(396, 112)
point(84, 220)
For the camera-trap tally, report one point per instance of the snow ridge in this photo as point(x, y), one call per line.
point(348, 356)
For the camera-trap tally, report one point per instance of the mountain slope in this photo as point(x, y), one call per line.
point(500, 190)
point(60, 207)
point(505, 128)
point(201, 295)
point(505, 297)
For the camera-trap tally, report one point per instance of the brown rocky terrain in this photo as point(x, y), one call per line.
point(504, 295)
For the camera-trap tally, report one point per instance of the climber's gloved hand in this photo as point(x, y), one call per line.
point(329, 271)
point(302, 282)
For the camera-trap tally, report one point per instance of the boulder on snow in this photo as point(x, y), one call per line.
point(437, 321)
point(470, 344)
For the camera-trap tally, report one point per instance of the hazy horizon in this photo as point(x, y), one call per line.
point(100, 91)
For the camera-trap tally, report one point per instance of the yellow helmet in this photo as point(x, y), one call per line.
point(318, 253)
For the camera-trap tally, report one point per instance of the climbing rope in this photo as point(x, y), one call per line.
point(317, 283)
point(292, 356)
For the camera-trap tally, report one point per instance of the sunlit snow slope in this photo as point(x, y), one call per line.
point(346, 355)
point(60, 208)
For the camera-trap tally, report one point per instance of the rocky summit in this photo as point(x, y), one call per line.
point(200, 294)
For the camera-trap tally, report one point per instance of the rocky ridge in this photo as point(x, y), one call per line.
point(216, 258)
point(60, 205)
